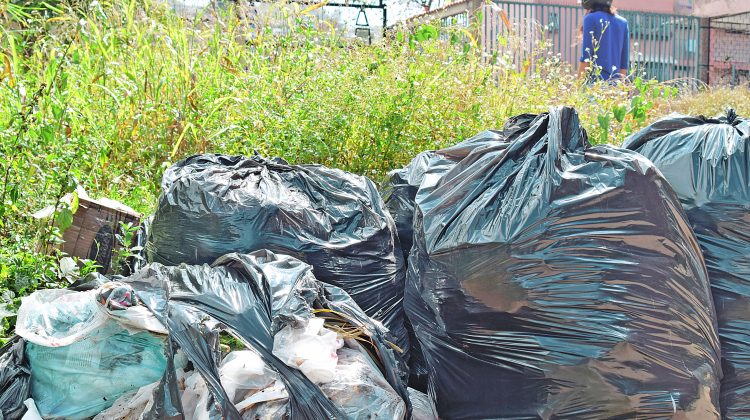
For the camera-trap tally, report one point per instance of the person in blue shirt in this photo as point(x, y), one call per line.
point(606, 42)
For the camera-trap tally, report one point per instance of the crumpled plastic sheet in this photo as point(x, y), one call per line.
point(554, 279)
point(707, 163)
point(424, 171)
point(252, 297)
point(212, 205)
point(15, 379)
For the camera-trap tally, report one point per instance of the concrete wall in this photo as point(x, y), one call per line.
point(713, 8)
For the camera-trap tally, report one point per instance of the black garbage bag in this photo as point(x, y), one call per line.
point(553, 279)
point(423, 171)
point(15, 380)
point(335, 221)
point(707, 162)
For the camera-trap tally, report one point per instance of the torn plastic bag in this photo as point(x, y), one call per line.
point(252, 297)
point(15, 379)
point(553, 279)
point(335, 221)
point(707, 162)
point(357, 387)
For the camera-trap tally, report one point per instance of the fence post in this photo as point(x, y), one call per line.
point(704, 73)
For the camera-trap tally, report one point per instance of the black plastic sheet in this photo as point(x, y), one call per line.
point(707, 162)
point(335, 221)
point(15, 380)
point(553, 279)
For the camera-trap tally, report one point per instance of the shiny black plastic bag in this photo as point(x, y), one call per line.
point(15, 380)
point(335, 221)
point(424, 171)
point(707, 162)
point(251, 296)
point(553, 279)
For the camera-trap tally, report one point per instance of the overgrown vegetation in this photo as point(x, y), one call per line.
point(107, 95)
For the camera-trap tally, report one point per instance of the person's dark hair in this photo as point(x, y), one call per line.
point(599, 6)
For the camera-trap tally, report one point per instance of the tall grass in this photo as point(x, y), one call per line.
point(109, 94)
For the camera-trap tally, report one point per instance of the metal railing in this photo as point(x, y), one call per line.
point(663, 47)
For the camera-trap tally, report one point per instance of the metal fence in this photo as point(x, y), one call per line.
point(664, 47)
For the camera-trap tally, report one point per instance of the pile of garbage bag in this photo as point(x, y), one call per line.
point(149, 346)
point(523, 273)
point(335, 221)
point(551, 278)
point(707, 163)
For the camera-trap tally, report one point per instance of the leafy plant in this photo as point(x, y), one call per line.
point(126, 252)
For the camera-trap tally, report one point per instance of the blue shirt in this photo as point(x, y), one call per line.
point(606, 42)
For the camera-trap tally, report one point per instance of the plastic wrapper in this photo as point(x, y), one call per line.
point(553, 279)
point(707, 163)
point(15, 380)
point(335, 221)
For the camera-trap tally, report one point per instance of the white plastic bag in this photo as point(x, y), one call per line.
point(360, 390)
point(195, 397)
point(242, 372)
point(31, 412)
point(311, 349)
point(130, 406)
point(56, 318)
point(422, 406)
